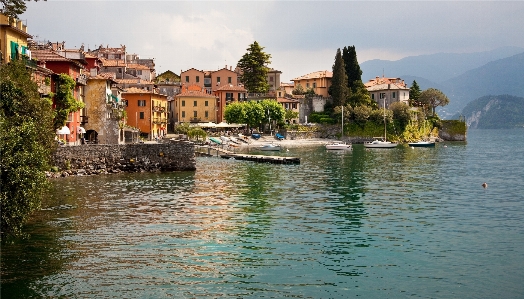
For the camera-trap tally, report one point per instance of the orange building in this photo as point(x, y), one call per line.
point(146, 111)
point(226, 94)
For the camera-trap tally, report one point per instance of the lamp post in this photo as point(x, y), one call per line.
point(269, 120)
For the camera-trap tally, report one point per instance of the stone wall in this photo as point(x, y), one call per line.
point(113, 158)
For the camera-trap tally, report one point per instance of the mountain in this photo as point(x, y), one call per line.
point(435, 67)
point(503, 76)
point(495, 112)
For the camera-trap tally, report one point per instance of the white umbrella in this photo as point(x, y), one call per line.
point(81, 130)
point(63, 131)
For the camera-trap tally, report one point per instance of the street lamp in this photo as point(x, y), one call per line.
point(269, 120)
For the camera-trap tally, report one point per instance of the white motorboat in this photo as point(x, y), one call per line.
point(270, 147)
point(422, 144)
point(338, 145)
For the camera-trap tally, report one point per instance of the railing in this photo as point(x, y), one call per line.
point(159, 109)
point(195, 119)
point(159, 120)
point(81, 79)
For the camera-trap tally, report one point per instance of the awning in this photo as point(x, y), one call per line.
point(81, 130)
point(63, 131)
point(226, 125)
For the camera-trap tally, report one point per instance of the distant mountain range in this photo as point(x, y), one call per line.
point(462, 77)
point(495, 112)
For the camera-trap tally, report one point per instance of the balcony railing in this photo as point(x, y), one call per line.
point(159, 109)
point(195, 119)
point(159, 120)
point(81, 79)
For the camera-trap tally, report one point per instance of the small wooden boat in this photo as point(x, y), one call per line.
point(270, 147)
point(338, 145)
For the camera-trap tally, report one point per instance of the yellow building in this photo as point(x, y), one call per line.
point(194, 104)
point(13, 39)
point(319, 81)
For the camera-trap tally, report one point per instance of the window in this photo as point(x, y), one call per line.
point(294, 105)
point(207, 114)
point(120, 70)
point(271, 79)
point(139, 73)
point(218, 80)
point(183, 103)
point(394, 94)
point(141, 103)
point(194, 103)
point(229, 80)
point(314, 85)
point(279, 94)
point(142, 115)
point(183, 114)
point(206, 103)
point(307, 85)
point(194, 114)
point(372, 96)
point(197, 79)
point(187, 79)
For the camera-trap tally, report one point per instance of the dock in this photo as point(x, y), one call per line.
point(262, 158)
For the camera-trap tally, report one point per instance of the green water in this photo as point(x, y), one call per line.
point(367, 223)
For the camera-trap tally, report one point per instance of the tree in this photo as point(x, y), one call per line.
point(400, 113)
point(26, 142)
point(339, 87)
point(414, 94)
point(255, 113)
point(433, 98)
point(235, 113)
point(360, 96)
point(253, 66)
point(299, 90)
point(14, 8)
point(353, 71)
point(275, 110)
point(290, 114)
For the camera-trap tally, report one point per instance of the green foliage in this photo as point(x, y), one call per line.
point(65, 102)
point(253, 65)
point(299, 90)
point(360, 96)
point(361, 114)
point(276, 111)
point(496, 112)
point(414, 94)
point(320, 118)
point(352, 68)
point(401, 114)
point(26, 142)
point(196, 133)
point(235, 113)
point(454, 127)
point(433, 98)
point(182, 128)
point(255, 113)
point(290, 114)
point(339, 90)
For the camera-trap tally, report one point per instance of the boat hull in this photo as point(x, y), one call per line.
point(338, 146)
point(421, 144)
point(270, 148)
point(380, 144)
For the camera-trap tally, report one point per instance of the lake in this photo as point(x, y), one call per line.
point(373, 223)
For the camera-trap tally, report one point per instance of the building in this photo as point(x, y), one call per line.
point(318, 81)
point(74, 67)
point(285, 89)
point(194, 104)
point(13, 39)
point(293, 105)
point(388, 90)
point(273, 79)
point(147, 111)
point(103, 111)
point(227, 94)
point(168, 83)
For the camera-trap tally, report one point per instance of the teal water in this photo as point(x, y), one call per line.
point(367, 223)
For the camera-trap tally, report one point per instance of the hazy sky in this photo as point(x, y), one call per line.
point(301, 36)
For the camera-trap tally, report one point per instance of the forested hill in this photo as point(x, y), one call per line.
point(495, 112)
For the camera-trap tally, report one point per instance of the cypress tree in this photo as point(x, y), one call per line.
point(414, 94)
point(353, 71)
point(339, 90)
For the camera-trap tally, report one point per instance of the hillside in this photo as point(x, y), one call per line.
point(495, 112)
point(503, 76)
point(435, 67)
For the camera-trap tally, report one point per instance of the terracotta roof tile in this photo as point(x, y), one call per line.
point(230, 87)
point(112, 62)
point(136, 90)
point(195, 93)
point(315, 75)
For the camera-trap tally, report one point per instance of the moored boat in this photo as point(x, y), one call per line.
point(422, 144)
point(270, 147)
point(338, 145)
point(380, 143)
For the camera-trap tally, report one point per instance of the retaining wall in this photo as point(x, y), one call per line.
point(113, 158)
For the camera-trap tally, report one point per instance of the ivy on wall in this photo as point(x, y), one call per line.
point(65, 101)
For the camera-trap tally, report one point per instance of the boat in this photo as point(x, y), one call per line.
point(255, 136)
point(270, 147)
point(422, 144)
point(338, 145)
point(215, 140)
point(381, 142)
point(279, 136)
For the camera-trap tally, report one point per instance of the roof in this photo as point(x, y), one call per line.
point(195, 93)
point(287, 100)
point(133, 81)
point(137, 66)
point(50, 55)
point(282, 84)
point(230, 87)
point(385, 83)
point(136, 90)
point(315, 75)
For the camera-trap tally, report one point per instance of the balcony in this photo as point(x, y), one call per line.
point(159, 120)
point(159, 109)
point(195, 119)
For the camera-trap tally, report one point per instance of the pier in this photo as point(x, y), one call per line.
point(263, 159)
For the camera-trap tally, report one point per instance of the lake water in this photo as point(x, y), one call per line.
point(367, 223)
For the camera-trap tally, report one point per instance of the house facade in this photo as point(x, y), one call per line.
point(319, 81)
point(75, 68)
point(385, 91)
point(103, 109)
point(227, 94)
point(147, 111)
point(13, 39)
point(194, 104)
point(293, 105)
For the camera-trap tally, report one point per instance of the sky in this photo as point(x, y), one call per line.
point(301, 36)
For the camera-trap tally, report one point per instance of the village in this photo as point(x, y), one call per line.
point(126, 101)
